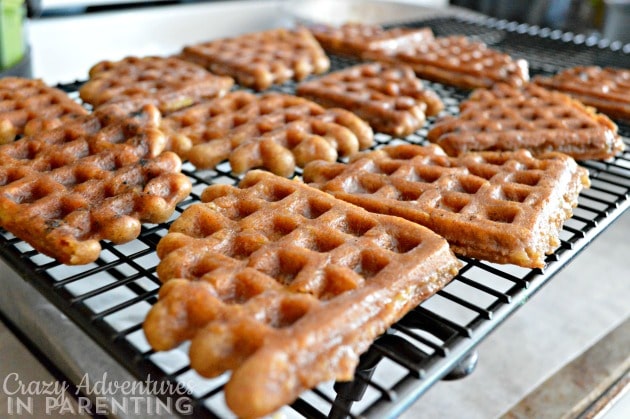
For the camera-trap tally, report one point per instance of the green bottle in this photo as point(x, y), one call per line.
point(11, 32)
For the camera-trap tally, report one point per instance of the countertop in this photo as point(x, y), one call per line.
point(581, 304)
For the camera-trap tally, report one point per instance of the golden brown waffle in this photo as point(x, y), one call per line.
point(216, 119)
point(207, 121)
point(390, 98)
point(28, 106)
point(502, 207)
point(95, 178)
point(168, 82)
point(532, 117)
point(459, 61)
point(325, 137)
point(259, 60)
point(606, 89)
point(274, 131)
point(355, 39)
point(286, 286)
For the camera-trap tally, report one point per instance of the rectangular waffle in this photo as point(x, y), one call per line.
point(28, 106)
point(390, 98)
point(539, 120)
point(286, 286)
point(458, 61)
point(606, 89)
point(167, 82)
point(261, 59)
point(355, 39)
point(502, 207)
point(218, 118)
point(273, 130)
point(96, 178)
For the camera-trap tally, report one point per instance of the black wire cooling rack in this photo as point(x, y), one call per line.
point(109, 298)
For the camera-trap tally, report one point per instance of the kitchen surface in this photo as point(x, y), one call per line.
point(563, 352)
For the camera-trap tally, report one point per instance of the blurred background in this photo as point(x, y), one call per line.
point(611, 18)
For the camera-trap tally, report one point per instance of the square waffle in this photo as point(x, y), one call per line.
point(502, 207)
point(274, 130)
point(390, 98)
point(459, 61)
point(167, 82)
point(28, 106)
point(286, 286)
point(261, 59)
point(355, 39)
point(539, 120)
point(94, 178)
point(607, 89)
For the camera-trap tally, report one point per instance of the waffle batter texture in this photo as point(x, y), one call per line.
point(390, 98)
point(28, 106)
point(275, 131)
point(539, 120)
point(459, 61)
point(286, 286)
point(356, 39)
point(95, 178)
point(502, 207)
point(607, 89)
point(167, 82)
point(262, 59)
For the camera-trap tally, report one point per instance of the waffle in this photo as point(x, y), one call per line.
point(355, 39)
point(390, 98)
point(286, 286)
point(169, 83)
point(274, 130)
point(603, 88)
point(459, 61)
point(508, 118)
point(215, 119)
point(502, 207)
point(29, 106)
point(297, 143)
point(95, 178)
point(259, 60)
